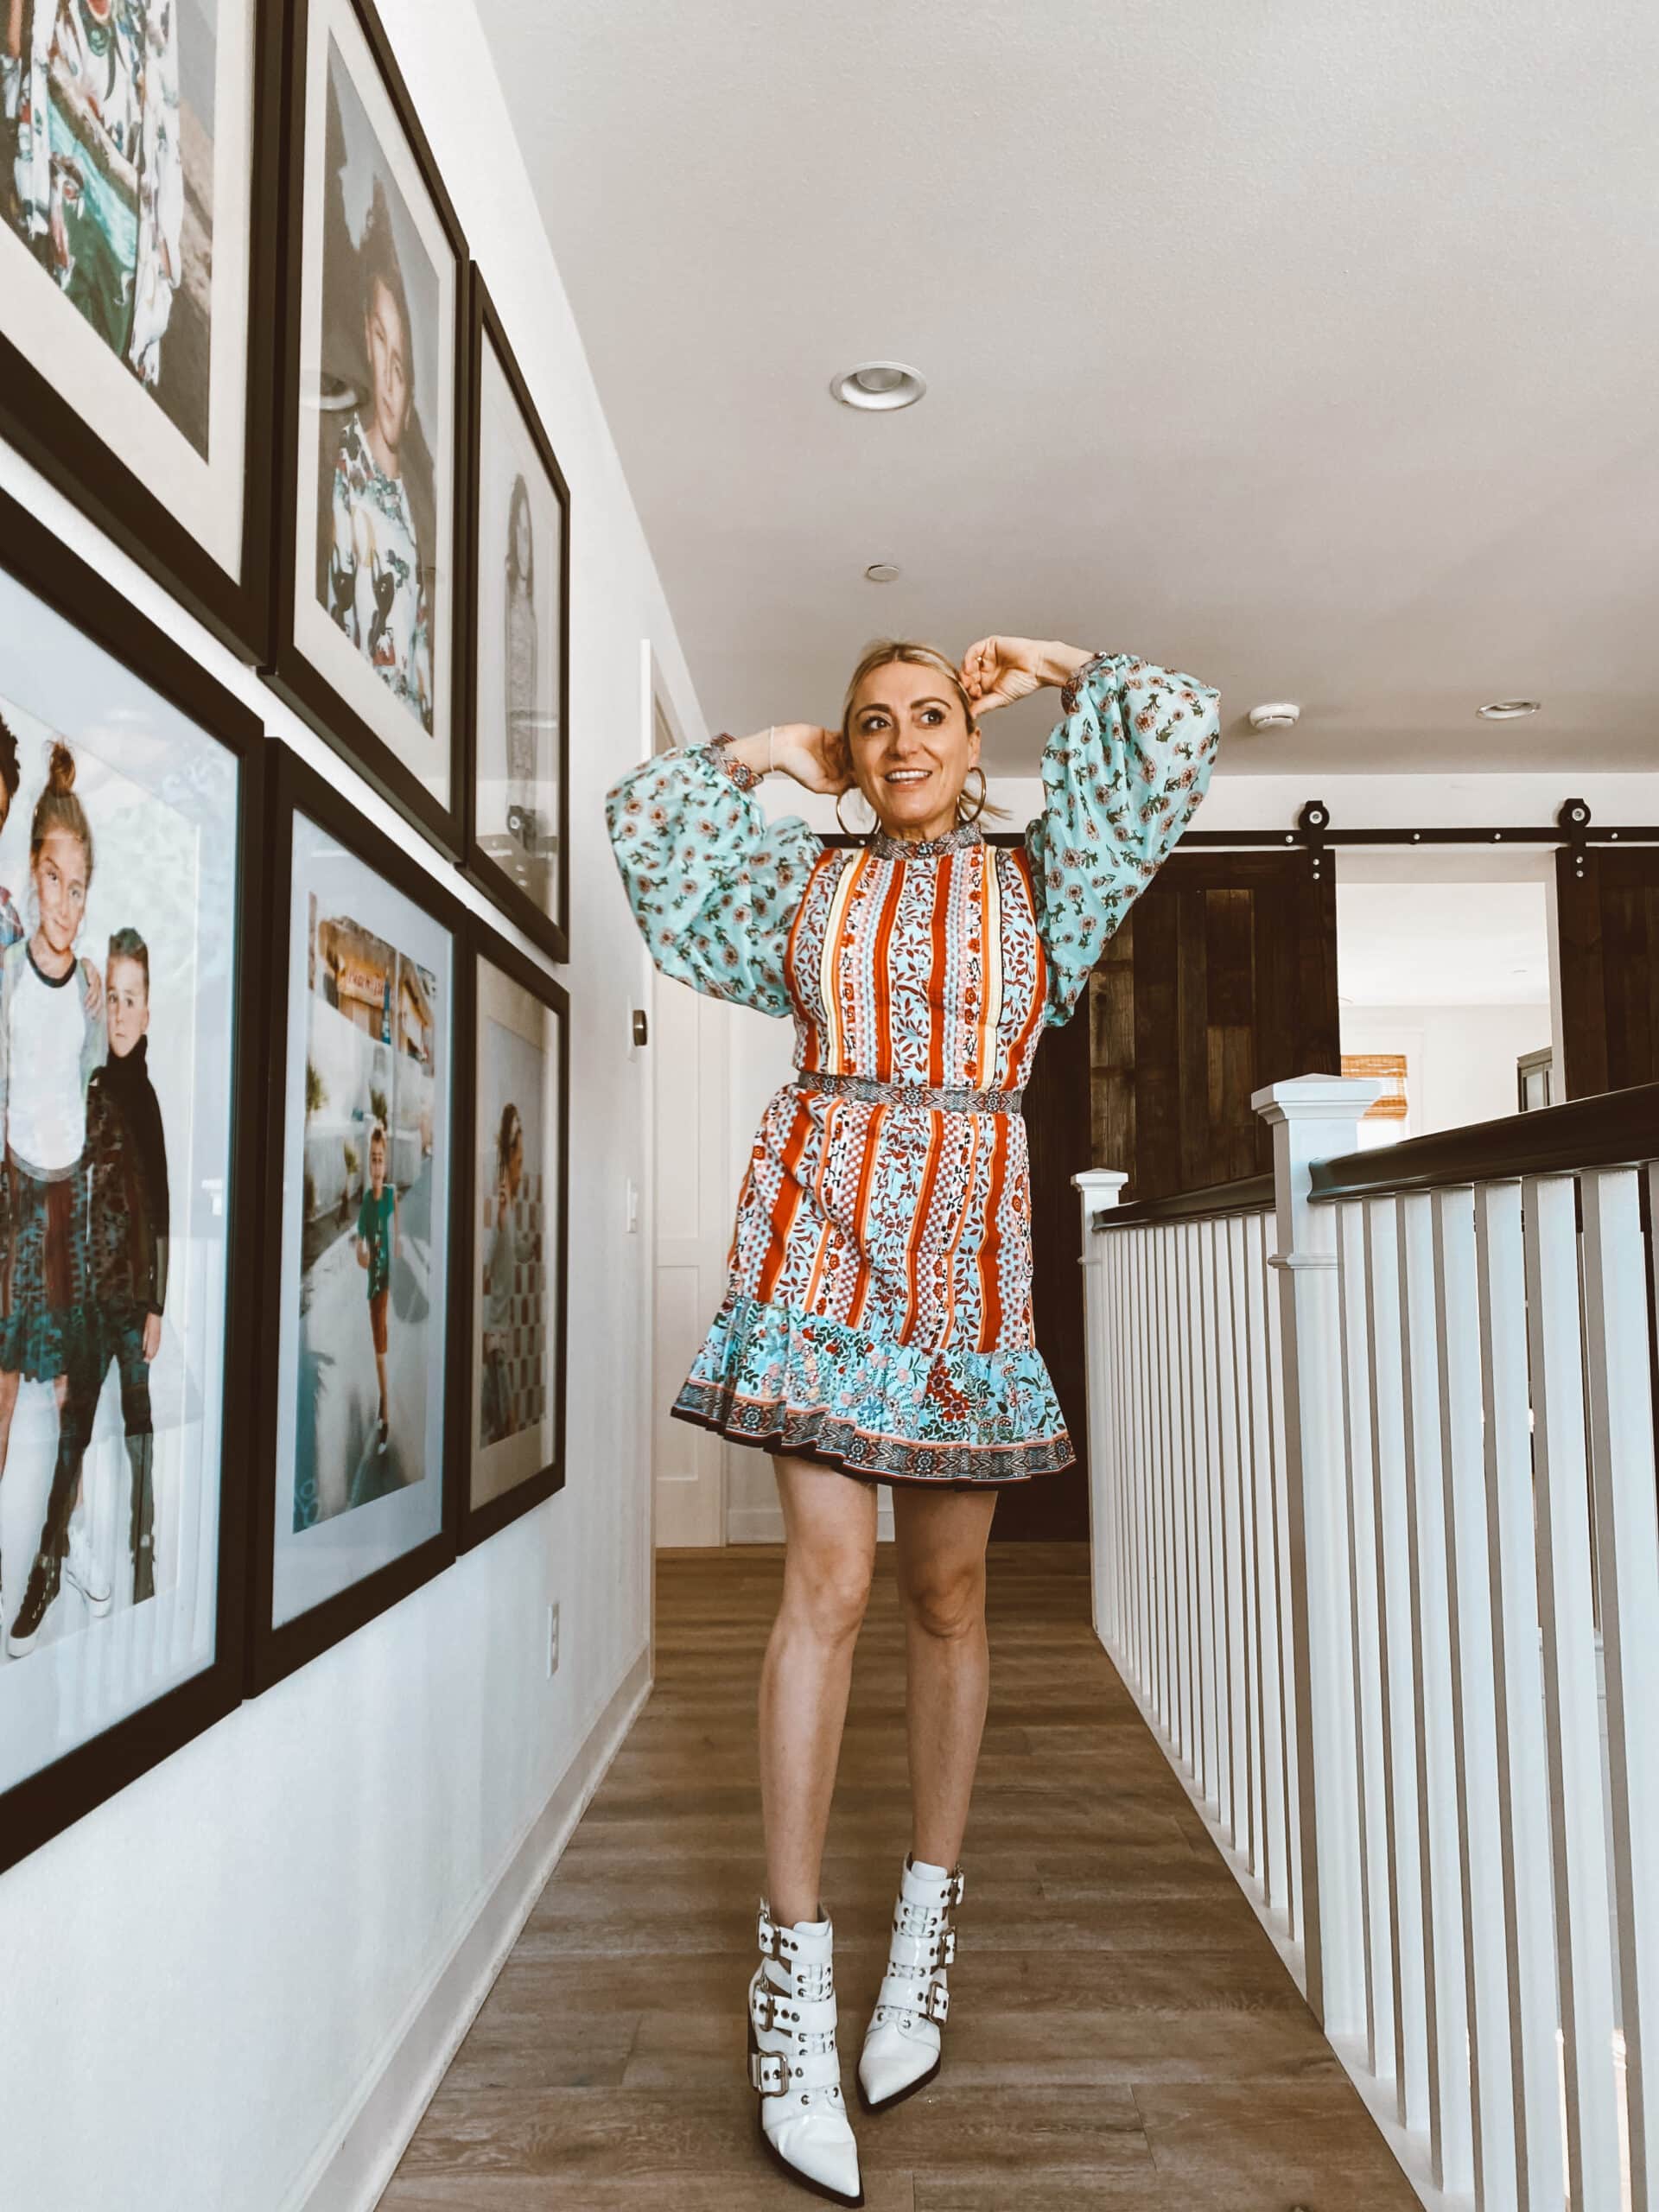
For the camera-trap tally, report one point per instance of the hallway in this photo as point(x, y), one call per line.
point(1158, 2054)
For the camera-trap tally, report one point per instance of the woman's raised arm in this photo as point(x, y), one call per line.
point(1122, 772)
point(713, 886)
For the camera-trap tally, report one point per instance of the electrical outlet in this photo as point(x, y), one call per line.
point(552, 1642)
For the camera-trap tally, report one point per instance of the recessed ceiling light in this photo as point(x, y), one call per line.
point(1509, 711)
point(879, 386)
point(1278, 714)
point(883, 572)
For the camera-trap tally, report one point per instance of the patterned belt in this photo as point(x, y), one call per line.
point(912, 1094)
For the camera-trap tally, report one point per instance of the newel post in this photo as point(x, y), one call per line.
point(1317, 1117)
point(1097, 1188)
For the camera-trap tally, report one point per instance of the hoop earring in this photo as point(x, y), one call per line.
point(841, 817)
point(963, 814)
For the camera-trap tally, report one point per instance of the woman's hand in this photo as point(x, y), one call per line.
point(815, 756)
point(998, 671)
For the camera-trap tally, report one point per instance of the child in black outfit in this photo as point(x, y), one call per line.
point(126, 1202)
point(127, 1226)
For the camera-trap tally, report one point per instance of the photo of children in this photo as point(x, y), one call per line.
point(376, 523)
point(106, 176)
point(519, 1044)
point(367, 1180)
point(519, 641)
point(117, 960)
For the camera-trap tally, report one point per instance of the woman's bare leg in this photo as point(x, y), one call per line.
point(942, 1536)
point(830, 1531)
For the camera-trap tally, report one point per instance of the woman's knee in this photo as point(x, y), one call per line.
point(947, 1602)
point(829, 1593)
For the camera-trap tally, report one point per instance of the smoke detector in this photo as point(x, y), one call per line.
point(1278, 714)
point(1507, 710)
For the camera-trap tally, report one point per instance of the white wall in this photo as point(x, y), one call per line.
point(1459, 1059)
point(201, 1982)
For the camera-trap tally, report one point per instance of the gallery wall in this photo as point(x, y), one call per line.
point(268, 1937)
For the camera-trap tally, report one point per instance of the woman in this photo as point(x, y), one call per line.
point(877, 1323)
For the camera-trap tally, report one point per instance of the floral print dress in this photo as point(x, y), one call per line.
point(877, 1311)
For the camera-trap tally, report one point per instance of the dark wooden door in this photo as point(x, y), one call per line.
point(1608, 919)
point(1223, 978)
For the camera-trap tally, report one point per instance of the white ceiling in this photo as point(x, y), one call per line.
point(1309, 349)
point(1442, 944)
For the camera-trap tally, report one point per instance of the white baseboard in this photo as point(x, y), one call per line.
point(763, 1524)
point(352, 2175)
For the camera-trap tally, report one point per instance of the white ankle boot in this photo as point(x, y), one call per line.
point(793, 2062)
point(901, 2044)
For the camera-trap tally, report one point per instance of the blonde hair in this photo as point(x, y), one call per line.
point(882, 654)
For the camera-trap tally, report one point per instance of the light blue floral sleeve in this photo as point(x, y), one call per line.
point(1122, 772)
point(713, 886)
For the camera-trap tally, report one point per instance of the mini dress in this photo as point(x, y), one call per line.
point(877, 1314)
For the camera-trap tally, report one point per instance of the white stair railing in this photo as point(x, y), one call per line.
point(1373, 1505)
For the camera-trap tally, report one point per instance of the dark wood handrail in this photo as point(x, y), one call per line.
point(1618, 1128)
point(1250, 1194)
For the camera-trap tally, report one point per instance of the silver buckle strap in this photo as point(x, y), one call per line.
point(768, 2072)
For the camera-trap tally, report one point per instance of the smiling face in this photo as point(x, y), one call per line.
point(377, 1165)
point(126, 1004)
point(388, 344)
point(60, 879)
point(912, 748)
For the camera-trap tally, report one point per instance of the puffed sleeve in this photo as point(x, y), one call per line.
point(713, 886)
point(1122, 772)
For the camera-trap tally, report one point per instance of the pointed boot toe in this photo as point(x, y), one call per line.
point(902, 2044)
point(793, 2062)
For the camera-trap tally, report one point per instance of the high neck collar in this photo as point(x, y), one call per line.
point(906, 849)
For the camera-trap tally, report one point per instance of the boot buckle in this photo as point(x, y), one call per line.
point(958, 1885)
point(947, 1948)
point(936, 2003)
point(767, 2073)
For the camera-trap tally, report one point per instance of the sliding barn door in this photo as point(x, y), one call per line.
point(1608, 919)
point(1222, 978)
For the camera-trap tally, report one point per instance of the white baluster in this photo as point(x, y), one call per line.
point(1395, 1671)
point(1451, 2129)
point(1517, 1683)
point(1248, 1837)
point(1469, 1563)
point(1269, 1637)
point(1376, 1905)
point(1621, 1417)
point(1572, 1716)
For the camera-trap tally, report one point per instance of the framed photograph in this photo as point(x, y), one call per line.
point(366, 1322)
point(371, 616)
point(518, 1152)
point(139, 154)
point(130, 965)
point(518, 570)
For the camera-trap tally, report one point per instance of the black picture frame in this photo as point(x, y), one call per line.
point(476, 1523)
point(276, 1651)
point(551, 931)
point(50, 432)
point(290, 672)
point(44, 1804)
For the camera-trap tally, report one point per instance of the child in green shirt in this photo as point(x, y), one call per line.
point(377, 1245)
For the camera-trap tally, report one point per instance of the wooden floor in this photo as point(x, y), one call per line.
point(1122, 2032)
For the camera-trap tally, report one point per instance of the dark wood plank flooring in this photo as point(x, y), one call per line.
point(1123, 2032)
